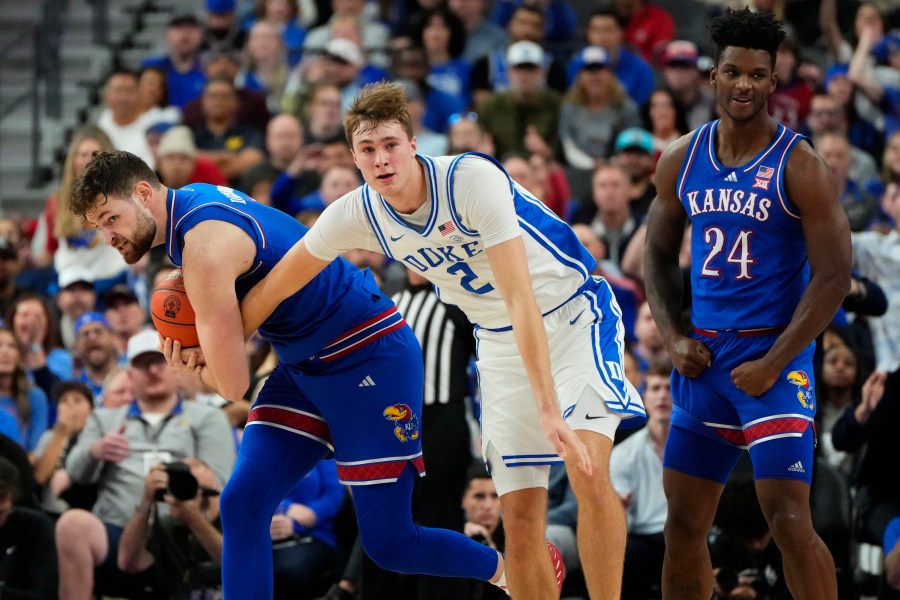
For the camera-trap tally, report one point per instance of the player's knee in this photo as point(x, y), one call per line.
point(234, 502)
point(684, 528)
point(524, 526)
point(388, 551)
point(791, 527)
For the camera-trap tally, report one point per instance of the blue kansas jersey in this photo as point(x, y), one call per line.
point(341, 308)
point(750, 266)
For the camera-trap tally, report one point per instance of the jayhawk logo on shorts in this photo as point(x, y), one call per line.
point(804, 389)
point(407, 424)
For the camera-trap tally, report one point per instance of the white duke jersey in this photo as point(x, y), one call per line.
point(472, 205)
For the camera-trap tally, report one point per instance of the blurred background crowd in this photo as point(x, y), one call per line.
point(578, 99)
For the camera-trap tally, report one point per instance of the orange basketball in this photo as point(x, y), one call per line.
point(171, 311)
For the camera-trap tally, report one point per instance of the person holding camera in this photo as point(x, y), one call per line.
point(182, 549)
point(117, 449)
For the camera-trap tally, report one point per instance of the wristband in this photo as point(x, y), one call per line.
point(143, 507)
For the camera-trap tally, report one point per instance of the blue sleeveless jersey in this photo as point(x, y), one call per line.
point(749, 265)
point(336, 302)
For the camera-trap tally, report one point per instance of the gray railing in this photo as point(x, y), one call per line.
point(44, 94)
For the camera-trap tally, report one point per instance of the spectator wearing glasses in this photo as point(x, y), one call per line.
point(117, 449)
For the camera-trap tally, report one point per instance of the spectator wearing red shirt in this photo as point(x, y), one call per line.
point(179, 164)
point(649, 27)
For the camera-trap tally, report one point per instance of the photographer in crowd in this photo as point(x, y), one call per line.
point(117, 449)
point(182, 549)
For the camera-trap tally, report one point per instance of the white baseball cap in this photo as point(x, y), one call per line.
point(524, 53)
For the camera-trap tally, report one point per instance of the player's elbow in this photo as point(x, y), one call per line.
point(235, 387)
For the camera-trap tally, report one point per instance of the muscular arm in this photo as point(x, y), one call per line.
point(827, 235)
point(295, 269)
point(215, 254)
point(510, 266)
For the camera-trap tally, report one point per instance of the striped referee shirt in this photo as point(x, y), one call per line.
point(447, 344)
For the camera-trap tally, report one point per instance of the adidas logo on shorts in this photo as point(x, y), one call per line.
point(797, 467)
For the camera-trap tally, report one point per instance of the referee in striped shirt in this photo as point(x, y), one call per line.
point(448, 346)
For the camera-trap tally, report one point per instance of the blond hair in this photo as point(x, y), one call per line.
point(69, 224)
point(377, 103)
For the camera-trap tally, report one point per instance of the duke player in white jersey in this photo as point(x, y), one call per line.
point(550, 337)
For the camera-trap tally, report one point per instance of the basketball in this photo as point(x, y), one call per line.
point(171, 311)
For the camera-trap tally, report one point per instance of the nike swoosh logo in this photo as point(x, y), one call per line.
point(590, 418)
point(394, 239)
point(572, 322)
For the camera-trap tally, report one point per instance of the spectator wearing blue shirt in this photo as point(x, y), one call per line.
point(304, 543)
point(184, 73)
point(605, 29)
point(441, 33)
point(892, 553)
point(560, 23)
point(18, 398)
point(9, 427)
point(412, 64)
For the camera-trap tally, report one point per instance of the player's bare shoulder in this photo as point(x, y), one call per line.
point(807, 179)
point(670, 163)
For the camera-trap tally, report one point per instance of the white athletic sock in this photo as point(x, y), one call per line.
point(501, 581)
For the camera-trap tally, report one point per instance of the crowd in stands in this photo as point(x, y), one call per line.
point(111, 463)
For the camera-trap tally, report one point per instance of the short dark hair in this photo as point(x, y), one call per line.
point(109, 174)
point(477, 470)
point(64, 387)
point(745, 29)
point(609, 13)
point(535, 10)
point(9, 480)
point(660, 368)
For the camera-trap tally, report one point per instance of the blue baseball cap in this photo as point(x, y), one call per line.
point(91, 317)
point(220, 6)
point(886, 46)
point(835, 71)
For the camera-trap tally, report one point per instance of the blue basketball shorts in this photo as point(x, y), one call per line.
point(364, 407)
point(713, 421)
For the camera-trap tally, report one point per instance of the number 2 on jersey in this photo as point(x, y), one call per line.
point(739, 254)
point(468, 276)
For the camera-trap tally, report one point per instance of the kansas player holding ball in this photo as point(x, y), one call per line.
point(770, 251)
point(549, 335)
point(349, 379)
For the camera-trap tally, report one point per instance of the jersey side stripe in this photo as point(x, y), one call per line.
point(779, 178)
point(451, 174)
point(689, 160)
point(435, 196)
point(373, 222)
point(621, 398)
point(710, 146)
point(532, 221)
